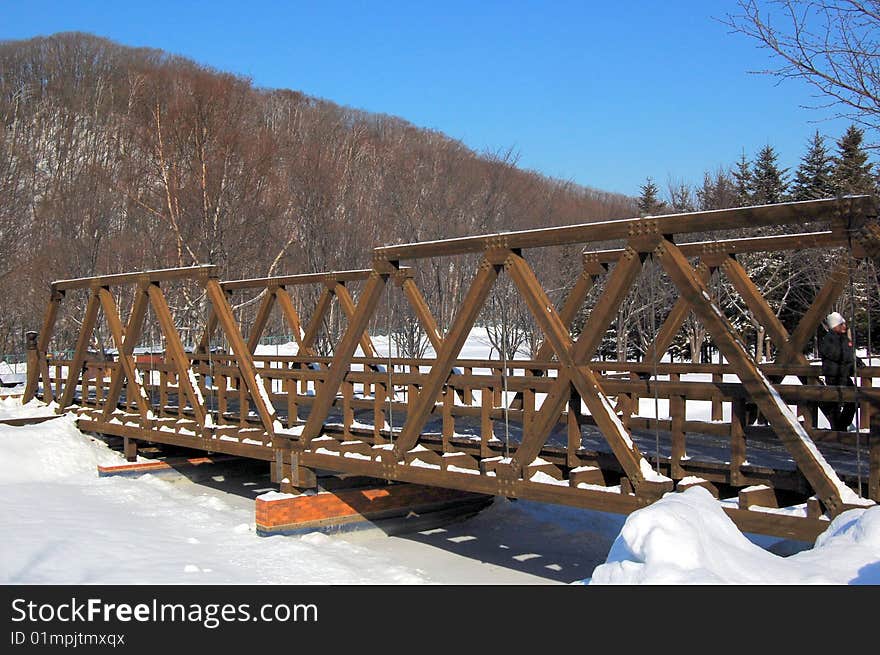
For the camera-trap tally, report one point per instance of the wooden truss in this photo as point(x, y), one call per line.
point(309, 434)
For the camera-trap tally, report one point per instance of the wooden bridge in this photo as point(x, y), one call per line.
point(570, 427)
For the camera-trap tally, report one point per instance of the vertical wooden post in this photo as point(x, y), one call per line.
point(717, 413)
point(573, 428)
point(347, 409)
point(33, 367)
point(41, 347)
point(221, 397)
point(244, 407)
point(528, 408)
point(737, 440)
point(380, 394)
point(466, 394)
point(292, 407)
point(163, 391)
point(486, 427)
point(874, 458)
point(678, 416)
point(448, 429)
point(129, 449)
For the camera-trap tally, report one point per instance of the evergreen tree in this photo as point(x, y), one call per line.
point(814, 176)
point(649, 204)
point(742, 176)
point(718, 191)
point(852, 170)
point(768, 179)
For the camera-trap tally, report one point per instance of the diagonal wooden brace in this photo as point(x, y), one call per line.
point(835, 495)
point(125, 348)
point(82, 345)
point(244, 359)
point(584, 380)
point(442, 367)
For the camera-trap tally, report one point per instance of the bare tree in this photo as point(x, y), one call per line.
point(830, 44)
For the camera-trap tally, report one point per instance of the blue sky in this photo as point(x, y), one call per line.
point(601, 93)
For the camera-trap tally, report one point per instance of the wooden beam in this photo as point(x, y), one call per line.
point(616, 289)
point(707, 221)
point(295, 280)
point(160, 275)
point(45, 335)
point(208, 334)
point(776, 243)
point(314, 325)
point(423, 312)
point(260, 320)
point(290, 315)
point(567, 313)
point(821, 305)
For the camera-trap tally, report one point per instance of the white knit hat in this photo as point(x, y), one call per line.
point(833, 320)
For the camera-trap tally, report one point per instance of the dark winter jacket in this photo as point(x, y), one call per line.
point(837, 357)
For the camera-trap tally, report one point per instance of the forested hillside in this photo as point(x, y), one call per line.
point(117, 159)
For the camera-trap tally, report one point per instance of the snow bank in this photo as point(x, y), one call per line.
point(48, 451)
point(686, 538)
point(62, 524)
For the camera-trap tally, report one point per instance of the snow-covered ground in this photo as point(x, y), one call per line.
point(62, 524)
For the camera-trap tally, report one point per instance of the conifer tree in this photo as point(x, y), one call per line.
point(814, 176)
point(768, 179)
point(852, 170)
point(649, 204)
point(718, 191)
point(742, 176)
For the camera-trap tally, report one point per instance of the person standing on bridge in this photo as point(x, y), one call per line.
point(838, 365)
